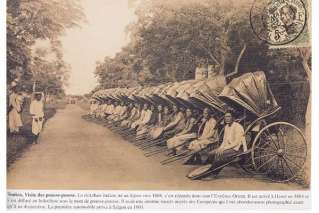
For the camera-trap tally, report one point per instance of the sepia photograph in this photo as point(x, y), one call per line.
point(188, 95)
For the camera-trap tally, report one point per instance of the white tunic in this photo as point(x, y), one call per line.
point(147, 117)
point(36, 109)
point(209, 129)
point(15, 122)
point(234, 137)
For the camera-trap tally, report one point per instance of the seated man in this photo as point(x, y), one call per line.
point(145, 115)
point(103, 109)
point(147, 120)
point(127, 113)
point(186, 135)
point(108, 109)
point(98, 110)
point(134, 114)
point(144, 129)
point(166, 118)
point(177, 124)
point(207, 132)
point(163, 119)
point(116, 110)
point(121, 113)
point(233, 140)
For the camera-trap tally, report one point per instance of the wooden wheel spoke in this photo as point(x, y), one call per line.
point(277, 164)
point(296, 165)
point(282, 133)
point(294, 148)
point(271, 140)
point(278, 147)
point(272, 165)
point(263, 148)
point(291, 172)
point(282, 167)
point(296, 156)
point(268, 142)
point(270, 159)
point(268, 155)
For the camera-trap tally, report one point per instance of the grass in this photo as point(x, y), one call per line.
point(18, 143)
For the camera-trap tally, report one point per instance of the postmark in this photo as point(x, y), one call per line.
point(278, 22)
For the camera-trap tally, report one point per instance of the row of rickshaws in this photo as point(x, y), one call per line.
point(276, 150)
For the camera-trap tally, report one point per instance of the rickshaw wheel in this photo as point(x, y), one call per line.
point(246, 162)
point(279, 151)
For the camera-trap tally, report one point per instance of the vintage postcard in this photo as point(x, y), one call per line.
point(207, 97)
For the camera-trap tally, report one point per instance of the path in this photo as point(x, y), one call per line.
point(76, 154)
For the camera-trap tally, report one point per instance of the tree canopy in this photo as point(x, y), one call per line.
point(170, 39)
point(29, 21)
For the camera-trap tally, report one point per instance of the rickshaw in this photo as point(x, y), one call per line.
point(199, 95)
point(203, 94)
point(276, 149)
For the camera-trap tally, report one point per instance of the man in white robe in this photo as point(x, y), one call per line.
point(110, 109)
point(147, 122)
point(177, 123)
point(15, 108)
point(37, 113)
point(116, 110)
point(189, 133)
point(121, 113)
point(134, 113)
point(234, 142)
point(207, 132)
point(145, 116)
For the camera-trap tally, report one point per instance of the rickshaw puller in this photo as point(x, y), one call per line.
point(233, 140)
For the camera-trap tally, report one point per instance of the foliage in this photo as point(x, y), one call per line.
point(29, 21)
point(171, 38)
point(116, 72)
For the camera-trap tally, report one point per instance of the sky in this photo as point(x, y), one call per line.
point(102, 35)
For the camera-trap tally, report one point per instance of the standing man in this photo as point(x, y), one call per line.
point(15, 108)
point(37, 113)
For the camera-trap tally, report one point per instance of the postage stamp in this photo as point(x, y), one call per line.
point(281, 23)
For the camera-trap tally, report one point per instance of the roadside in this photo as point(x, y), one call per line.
point(18, 143)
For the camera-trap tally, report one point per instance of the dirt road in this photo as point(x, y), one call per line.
point(76, 154)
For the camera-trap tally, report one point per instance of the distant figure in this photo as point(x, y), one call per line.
point(15, 108)
point(37, 113)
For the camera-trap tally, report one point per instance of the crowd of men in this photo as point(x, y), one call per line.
point(181, 128)
point(16, 104)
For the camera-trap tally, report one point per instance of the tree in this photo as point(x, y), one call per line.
point(173, 36)
point(117, 71)
point(169, 38)
point(31, 20)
